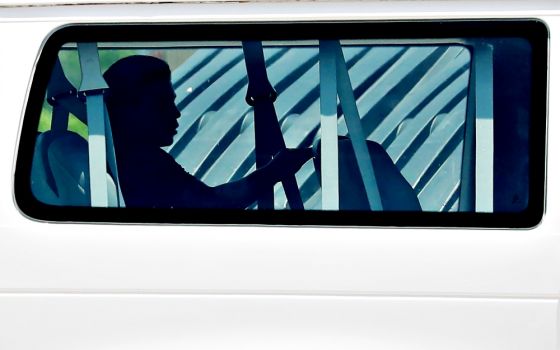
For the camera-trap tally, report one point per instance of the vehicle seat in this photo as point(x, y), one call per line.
point(60, 170)
point(395, 192)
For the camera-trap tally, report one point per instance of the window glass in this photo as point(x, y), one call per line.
point(412, 126)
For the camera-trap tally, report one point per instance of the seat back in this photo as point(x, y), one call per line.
point(395, 192)
point(60, 170)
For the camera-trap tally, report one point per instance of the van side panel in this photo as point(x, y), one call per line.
point(79, 286)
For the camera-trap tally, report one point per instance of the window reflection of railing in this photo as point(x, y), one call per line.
point(429, 106)
point(411, 99)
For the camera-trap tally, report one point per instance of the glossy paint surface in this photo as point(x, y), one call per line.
point(76, 286)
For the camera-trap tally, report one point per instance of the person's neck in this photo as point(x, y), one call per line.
point(135, 145)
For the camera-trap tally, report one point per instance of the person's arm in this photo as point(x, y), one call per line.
point(244, 192)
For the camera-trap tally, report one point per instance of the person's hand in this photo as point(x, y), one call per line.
point(288, 161)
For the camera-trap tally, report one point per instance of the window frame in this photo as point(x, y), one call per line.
point(425, 31)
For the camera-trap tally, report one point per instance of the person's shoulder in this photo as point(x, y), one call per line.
point(164, 159)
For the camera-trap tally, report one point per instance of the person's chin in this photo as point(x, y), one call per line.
point(167, 141)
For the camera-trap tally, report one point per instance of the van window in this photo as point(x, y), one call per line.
point(298, 126)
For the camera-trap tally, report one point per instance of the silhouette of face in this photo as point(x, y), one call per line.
point(141, 102)
point(160, 113)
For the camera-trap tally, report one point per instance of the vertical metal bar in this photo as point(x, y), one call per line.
point(484, 93)
point(92, 86)
point(329, 128)
point(355, 130)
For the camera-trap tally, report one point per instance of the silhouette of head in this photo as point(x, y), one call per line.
point(141, 102)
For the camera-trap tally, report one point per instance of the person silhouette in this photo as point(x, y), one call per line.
point(143, 115)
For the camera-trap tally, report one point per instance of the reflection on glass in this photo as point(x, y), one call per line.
point(184, 127)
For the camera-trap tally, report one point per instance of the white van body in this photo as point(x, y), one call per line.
point(103, 286)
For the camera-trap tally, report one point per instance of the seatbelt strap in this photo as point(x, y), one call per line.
point(328, 50)
point(268, 135)
point(92, 87)
point(58, 91)
point(330, 199)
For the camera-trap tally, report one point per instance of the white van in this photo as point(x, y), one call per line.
point(302, 175)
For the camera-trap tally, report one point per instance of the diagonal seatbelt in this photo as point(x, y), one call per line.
point(268, 135)
point(334, 75)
